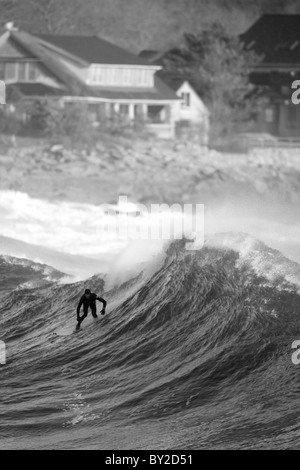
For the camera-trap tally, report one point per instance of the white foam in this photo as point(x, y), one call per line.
point(75, 229)
point(79, 229)
point(264, 261)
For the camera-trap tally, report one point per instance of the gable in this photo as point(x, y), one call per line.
point(19, 65)
point(10, 49)
point(48, 61)
point(185, 87)
point(195, 99)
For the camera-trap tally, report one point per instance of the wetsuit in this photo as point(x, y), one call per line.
point(89, 303)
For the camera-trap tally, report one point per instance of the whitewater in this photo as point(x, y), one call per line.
point(194, 351)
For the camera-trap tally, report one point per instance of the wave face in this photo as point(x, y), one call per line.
point(195, 355)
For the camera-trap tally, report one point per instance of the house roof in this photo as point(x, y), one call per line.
point(37, 89)
point(173, 82)
point(48, 60)
point(152, 56)
point(94, 50)
point(70, 84)
point(276, 38)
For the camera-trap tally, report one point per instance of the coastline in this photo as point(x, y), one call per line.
point(149, 172)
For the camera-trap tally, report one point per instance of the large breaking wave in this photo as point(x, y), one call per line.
point(195, 353)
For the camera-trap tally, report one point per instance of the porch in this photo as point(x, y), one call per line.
point(158, 117)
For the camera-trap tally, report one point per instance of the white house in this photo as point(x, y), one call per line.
point(190, 109)
point(89, 69)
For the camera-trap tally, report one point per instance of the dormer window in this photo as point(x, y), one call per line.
point(31, 72)
point(105, 75)
point(10, 71)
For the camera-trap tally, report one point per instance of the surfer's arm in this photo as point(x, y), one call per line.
point(103, 302)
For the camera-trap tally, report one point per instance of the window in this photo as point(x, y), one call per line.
point(145, 77)
point(93, 74)
point(149, 78)
point(10, 71)
point(186, 100)
point(269, 115)
point(98, 75)
point(292, 117)
point(32, 72)
point(22, 71)
point(142, 77)
point(115, 76)
point(2, 70)
point(108, 76)
point(285, 91)
point(126, 76)
point(120, 76)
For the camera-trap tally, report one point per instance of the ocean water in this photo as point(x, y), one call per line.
point(194, 351)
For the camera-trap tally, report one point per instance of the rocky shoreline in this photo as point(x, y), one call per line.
point(149, 171)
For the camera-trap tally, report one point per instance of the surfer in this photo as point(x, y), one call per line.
point(88, 300)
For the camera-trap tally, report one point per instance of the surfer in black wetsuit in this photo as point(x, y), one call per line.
point(88, 300)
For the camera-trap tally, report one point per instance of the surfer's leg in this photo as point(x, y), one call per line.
point(94, 311)
point(85, 312)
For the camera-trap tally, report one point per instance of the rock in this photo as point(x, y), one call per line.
point(57, 148)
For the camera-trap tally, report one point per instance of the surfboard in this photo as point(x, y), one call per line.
point(72, 328)
point(68, 330)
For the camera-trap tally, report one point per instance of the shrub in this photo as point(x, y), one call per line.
point(75, 124)
point(69, 123)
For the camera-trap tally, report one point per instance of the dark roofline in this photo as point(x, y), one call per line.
point(30, 90)
point(153, 57)
point(276, 38)
point(61, 51)
point(264, 16)
point(173, 82)
point(86, 48)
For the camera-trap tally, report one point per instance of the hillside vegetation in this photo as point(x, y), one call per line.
point(138, 24)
